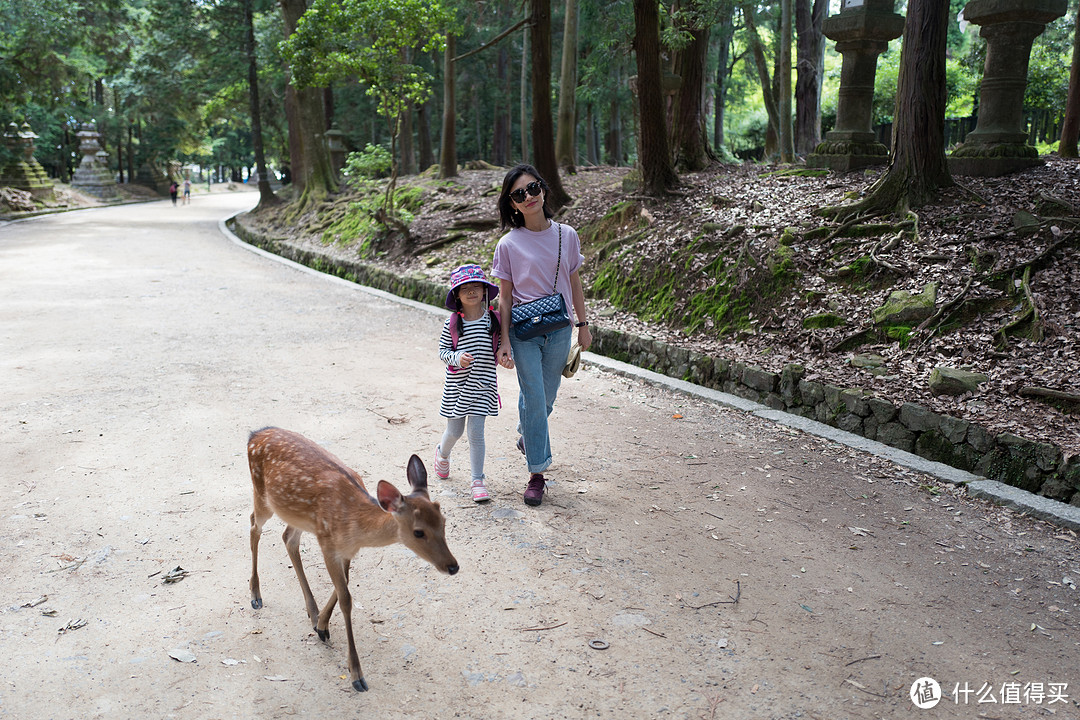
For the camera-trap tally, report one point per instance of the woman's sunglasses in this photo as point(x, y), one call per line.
point(532, 188)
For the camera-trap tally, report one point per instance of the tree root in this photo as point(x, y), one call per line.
point(1037, 262)
point(1058, 397)
point(943, 314)
point(1029, 317)
point(393, 222)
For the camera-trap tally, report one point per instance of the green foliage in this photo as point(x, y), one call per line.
point(961, 84)
point(1046, 148)
point(369, 40)
point(1048, 77)
point(362, 167)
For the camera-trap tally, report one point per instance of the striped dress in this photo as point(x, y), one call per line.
point(471, 390)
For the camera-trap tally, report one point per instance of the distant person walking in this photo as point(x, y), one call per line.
point(187, 191)
point(538, 258)
point(173, 189)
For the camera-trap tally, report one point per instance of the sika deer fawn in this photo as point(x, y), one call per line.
point(312, 491)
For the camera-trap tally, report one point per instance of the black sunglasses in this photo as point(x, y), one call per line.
point(532, 188)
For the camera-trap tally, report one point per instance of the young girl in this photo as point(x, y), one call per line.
point(467, 346)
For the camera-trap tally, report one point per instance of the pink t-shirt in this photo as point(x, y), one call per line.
point(527, 258)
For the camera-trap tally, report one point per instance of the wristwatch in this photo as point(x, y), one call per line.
point(583, 323)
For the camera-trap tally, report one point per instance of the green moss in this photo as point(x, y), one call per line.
point(722, 295)
point(817, 233)
point(358, 224)
point(823, 320)
point(899, 333)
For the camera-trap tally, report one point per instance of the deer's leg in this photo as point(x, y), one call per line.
point(291, 536)
point(339, 573)
point(328, 609)
point(261, 514)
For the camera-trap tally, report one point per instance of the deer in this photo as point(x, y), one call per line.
point(313, 491)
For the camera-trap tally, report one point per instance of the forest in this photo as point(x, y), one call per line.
point(194, 82)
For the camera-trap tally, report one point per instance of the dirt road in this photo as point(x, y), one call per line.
point(730, 568)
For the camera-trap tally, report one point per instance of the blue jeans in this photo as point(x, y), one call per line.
point(539, 362)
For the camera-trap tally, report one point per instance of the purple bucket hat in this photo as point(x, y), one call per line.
point(467, 274)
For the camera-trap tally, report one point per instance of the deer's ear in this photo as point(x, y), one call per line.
point(389, 497)
point(417, 474)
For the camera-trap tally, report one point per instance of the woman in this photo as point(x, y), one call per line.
point(528, 264)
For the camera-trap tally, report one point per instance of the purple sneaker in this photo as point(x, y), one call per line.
point(534, 491)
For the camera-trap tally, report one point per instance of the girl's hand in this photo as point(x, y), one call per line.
point(584, 337)
point(465, 361)
point(505, 359)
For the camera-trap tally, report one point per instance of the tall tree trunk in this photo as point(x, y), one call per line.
point(130, 151)
point(657, 173)
point(809, 72)
point(918, 168)
point(309, 157)
point(478, 116)
point(543, 136)
point(762, 66)
point(266, 194)
point(297, 172)
point(727, 19)
point(613, 136)
point(423, 132)
point(591, 155)
point(566, 135)
point(448, 146)
point(783, 60)
point(526, 35)
point(1070, 128)
point(328, 108)
point(689, 135)
point(408, 150)
point(500, 146)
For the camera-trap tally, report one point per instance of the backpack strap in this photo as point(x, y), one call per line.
point(453, 331)
point(495, 339)
point(453, 340)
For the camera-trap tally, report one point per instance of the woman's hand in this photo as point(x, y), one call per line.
point(504, 358)
point(584, 337)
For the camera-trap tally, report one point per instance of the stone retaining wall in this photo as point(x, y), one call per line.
point(1036, 467)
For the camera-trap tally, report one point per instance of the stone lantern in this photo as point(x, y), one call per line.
point(862, 31)
point(336, 147)
point(998, 144)
point(93, 175)
point(24, 171)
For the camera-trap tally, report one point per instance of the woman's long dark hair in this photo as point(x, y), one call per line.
point(509, 216)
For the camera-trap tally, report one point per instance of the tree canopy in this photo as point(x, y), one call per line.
point(167, 81)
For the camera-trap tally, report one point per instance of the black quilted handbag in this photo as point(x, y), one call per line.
point(543, 315)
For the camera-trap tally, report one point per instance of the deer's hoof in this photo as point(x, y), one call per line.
point(360, 685)
point(256, 603)
point(324, 635)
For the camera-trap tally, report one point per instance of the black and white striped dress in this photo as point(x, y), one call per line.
point(471, 390)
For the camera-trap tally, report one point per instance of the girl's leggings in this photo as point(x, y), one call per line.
point(455, 427)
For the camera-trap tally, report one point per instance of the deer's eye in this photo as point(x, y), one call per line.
point(418, 533)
